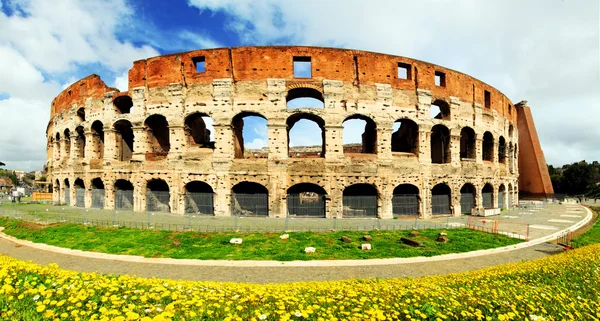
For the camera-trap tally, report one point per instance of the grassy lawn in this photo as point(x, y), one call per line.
point(256, 246)
point(591, 236)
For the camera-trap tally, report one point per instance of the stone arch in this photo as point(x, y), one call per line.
point(297, 151)
point(360, 200)
point(238, 133)
point(158, 196)
point(304, 97)
point(157, 128)
point(501, 196)
point(488, 147)
point(97, 130)
point(368, 138)
point(97, 192)
point(249, 199)
point(468, 194)
point(67, 138)
point(80, 142)
point(123, 104)
point(196, 132)
point(79, 192)
point(124, 138)
point(440, 144)
point(306, 200)
point(81, 114)
point(440, 109)
point(123, 190)
point(199, 198)
point(501, 150)
point(405, 138)
point(406, 200)
point(441, 194)
point(487, 194)
point(467, 143)
point(57, 143)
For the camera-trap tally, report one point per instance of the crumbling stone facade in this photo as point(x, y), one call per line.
point(153, 134)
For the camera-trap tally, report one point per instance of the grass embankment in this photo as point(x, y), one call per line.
point(591, 236)
point(255, 246)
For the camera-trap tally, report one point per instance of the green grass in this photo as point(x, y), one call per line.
point(256, 246)
point(591, 236)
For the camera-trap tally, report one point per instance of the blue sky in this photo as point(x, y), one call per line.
point(509, 44)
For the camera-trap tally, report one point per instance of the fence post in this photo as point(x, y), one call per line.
point(148, 218)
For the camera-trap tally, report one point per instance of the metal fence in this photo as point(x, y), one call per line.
point(467, 202)
point(67, 196)
point(487, 200)
point(80, 197)
point(124, 200)
point(98, 198)
point(199, 203)
point(405, 205)
point(300, 205)
point(360, 206)
point(500, 199)
point(440, 204)
point(250, 204)
point(158, 201)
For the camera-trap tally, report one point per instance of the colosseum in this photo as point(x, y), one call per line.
point(435, 141)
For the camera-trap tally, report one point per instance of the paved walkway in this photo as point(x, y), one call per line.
point(287, 272)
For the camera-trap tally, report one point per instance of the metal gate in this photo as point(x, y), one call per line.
point(67, 196)
point(467, 202)
point(80, 197)
point(98, 198)
point(303, 204)
point(250, 205)
point(500, 199)
point(199, 203)
point(124, 200)
point(405, 205)
point(360, 206)
point(487, 200)
point(158, 201)
point(440, 204)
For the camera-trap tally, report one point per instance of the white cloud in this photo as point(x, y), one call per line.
point(122, 82)
point(256, 143)
point(199, 41)
point(353, 130)
point(305, 133)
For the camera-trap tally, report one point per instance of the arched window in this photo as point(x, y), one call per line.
point(501, 195)
point(67, 187)
point(360, 135)
point(79, 193)
point(510, 196)
point(249, 199)
point(198, 131)
point(405, 136)
point(123, 104)
point(80, 142)
point(67, 135)
point(199, 198)
point(81, 115)
point(158, 197)
point(467, 143)
point(97, 140)
point(487, 194)
point(488, 147)
point(97, 193)
point(440, 199)
point(306, 136)
point(440, 110)
point(250, 135)
point(304, 98)
point(57, 143)
point(405, 201)
point(124, 140)
point(123, 195)
point(440, 144)
point(157, 129)
point(501, 150)
point(360, 200)
point(306, 199)
point(467, 198)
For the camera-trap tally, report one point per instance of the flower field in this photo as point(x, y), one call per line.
point(560, 287)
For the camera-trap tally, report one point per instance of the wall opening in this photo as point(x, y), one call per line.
point(79, 192)
point(487, 194)
point(467, 143)
point(123, 195)
point(488, 147)
point(81, 115)
point(80, 142)
point(249, 199)
point(124, 140)
point(67, 192)
point(304, 98)
point(157, 129)
point(198, 131)
point(97, 140)
point(501, 150)
point(306, 136)
point(359, 135)
point(158, 196)
point(488, 99)
point(123, 105)
point(440, 79)
point(510, 196)
point(57, 143)
point(440, 144)
point(440, 200)
point(199, 64)
point(405, 136)
point(440, 110)
point(360, 200)
point(404, 71)
point(250, 135)
point(302, 67)
point(306, 200)
point(501, 194)
point(67, 135)
point(405, 200)
point(511, 131)
point(199, 198)
point(97, 193)
point(467, 198)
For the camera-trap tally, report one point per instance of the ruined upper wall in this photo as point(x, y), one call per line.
point(89, 87)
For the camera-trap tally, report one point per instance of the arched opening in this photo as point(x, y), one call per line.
point(440, 110)
point(501, 150)
point(57, 145)
point(467, 198)
point(359, 135)
point(360, 200)
point(97, 140)
point(199, 198)
point(123, 104)
point(511, 130)
point(80, 142)
point(440, 144)
point(306, 136)
point(511, 159)
point(467, 143)
point(79, 192)
point(56, 189)
point(123, 195)
point(249, 199)
point(510, 196)
point(440, 199)
point(157, 196)
point(157, 129)
point(124, 140)
point(405, 136)
point(405, 201)
point(488, 147)
point(67, 135)
point(306, 200)
point(198, 131)
point(81, 115)
point(97, 193)
point(67, 187)
point(487, 194)
point(250, 135)
point(304, 98)
point(501, 194)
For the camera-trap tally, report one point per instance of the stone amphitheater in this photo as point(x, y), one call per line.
point(435, 141)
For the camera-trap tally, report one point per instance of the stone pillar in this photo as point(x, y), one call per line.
point(479, 148)
point(455, 147)
point(139, 196)
point(109, 195)
point(140, 143)
point(495, 196)
point(63, 149)
point(455, 201)
point(384, 141)
point(495, 149)
point(89, 146)
point(335, 204)
point(277, 140)
point(74, 148)
point(426, 200)
point(223, 141)
point(177, 140)
point(56, 151)
point(478, 197)
point(222, 198)
point(110, 145)
point(425, 144)
point(87, 198)
point(138, 99)
point(386, 210)
point(334, 145)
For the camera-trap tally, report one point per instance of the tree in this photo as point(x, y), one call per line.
point(2, 164)
point(578, 178)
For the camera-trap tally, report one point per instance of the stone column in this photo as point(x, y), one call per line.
point(109, 195)
point(495, 196)
point(63, 149)
point(386, 210)
point(335, 204)
point(455, 201)
point(176, 139)
point(495, 150)
point(222, 198)
point(478, 197)
point(223, 141)
point(455, 147)
point(87, 198)
point(426, 200)
point(140, 143)
point(89, 146)
point(425, 144)
point(479, 148)
point(334, 144)
point(56, 151)
point(277, 140)
point(110, 145)
point(74, 148)
point(384, 142)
